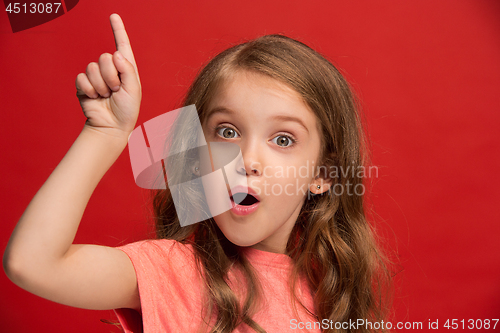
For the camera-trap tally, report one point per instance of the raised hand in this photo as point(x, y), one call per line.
point(110, 89)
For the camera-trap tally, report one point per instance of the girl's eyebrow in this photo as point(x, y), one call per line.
point(219, 109)
point(279, 117)
point(290, 118)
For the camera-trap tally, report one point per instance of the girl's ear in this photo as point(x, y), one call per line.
point(320, 184)
point(323, 180)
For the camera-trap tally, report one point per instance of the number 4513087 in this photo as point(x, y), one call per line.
point(33, 8)
point(471, 324)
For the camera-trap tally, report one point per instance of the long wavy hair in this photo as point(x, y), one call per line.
point(332, 243)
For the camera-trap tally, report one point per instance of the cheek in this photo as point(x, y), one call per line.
point(290, 182)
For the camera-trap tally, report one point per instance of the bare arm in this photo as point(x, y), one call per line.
point(40, 256)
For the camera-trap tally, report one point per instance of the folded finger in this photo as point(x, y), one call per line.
point(95, 78)
point(109, 72)
point(83, 86)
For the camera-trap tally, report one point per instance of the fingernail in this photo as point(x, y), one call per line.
point(119, 55)
point(95, 95)
point(106, 95)
point(115, 88)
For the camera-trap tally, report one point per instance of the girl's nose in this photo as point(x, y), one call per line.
point(250, 166)
point(249, 171)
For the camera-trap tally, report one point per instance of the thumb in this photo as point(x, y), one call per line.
point(128, 75)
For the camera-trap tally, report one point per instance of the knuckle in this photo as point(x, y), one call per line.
point(92, 67)
point(79, 77)
point(105, 57)
point(81, 81)
point(122, 44)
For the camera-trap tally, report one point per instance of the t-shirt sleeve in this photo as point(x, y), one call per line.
point(168, 284)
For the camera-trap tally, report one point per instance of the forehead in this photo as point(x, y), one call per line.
point(253, 94)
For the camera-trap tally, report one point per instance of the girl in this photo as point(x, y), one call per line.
point(294, 254)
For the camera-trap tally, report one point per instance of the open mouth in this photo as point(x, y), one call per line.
point(244, 199)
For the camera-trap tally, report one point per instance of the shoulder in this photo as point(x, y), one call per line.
point(151, 251)
point(157, 246)
point(162, 267)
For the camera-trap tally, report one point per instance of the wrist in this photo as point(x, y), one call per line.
point(111, 136)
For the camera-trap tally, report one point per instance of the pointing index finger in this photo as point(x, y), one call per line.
point(121, 39)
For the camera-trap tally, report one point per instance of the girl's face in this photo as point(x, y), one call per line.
point(279, 139)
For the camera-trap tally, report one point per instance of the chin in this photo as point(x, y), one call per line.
point(244, 243)
point(240, 238)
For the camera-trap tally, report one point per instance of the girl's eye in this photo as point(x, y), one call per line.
point(227, 132)
point(283, 141)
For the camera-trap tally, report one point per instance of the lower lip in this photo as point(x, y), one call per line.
point(244, 210)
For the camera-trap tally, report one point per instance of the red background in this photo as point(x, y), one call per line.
point(427, 72)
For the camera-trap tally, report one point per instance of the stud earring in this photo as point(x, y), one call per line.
point(318, 187)
point(196, 169)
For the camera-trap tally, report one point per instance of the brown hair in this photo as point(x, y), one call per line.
point(332, 243)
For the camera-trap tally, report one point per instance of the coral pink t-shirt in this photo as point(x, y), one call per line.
point(172, 292)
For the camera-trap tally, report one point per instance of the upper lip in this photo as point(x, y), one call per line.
point(244, 189)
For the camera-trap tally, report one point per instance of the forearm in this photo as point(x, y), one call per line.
point(47, 228)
